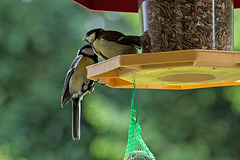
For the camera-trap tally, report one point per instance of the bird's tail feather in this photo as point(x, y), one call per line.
point(135, 40)
point(76, 118)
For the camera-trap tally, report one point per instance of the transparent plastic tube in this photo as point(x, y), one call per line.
point(169, 25)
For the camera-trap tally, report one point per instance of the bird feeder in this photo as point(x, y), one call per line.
point(185, 44)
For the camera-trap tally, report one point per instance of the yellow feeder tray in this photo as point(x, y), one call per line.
point(183, 69)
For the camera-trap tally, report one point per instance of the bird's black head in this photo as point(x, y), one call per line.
point(92, 35)
point(97, 31)
point(87, 51)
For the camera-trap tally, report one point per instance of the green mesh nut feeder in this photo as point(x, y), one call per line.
point(136, 147)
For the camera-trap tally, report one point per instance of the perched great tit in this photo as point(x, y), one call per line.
point(107, 44)
point(76, 85)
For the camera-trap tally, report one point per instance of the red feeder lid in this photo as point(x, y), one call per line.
point(236, 4)
point(110, 5)
point(119, 5)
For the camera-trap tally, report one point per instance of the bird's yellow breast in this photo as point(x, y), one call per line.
point(79, 76)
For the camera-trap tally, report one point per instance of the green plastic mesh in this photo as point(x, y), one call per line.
point(136, 147)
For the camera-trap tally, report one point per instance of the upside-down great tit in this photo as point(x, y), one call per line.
point(107, 44)
point(76, 85)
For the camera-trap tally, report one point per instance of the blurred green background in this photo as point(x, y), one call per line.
point(39, 40)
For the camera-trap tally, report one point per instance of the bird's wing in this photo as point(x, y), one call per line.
point(76, 61)
point(65, 92)
point(121, 38)
point(111, 35)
